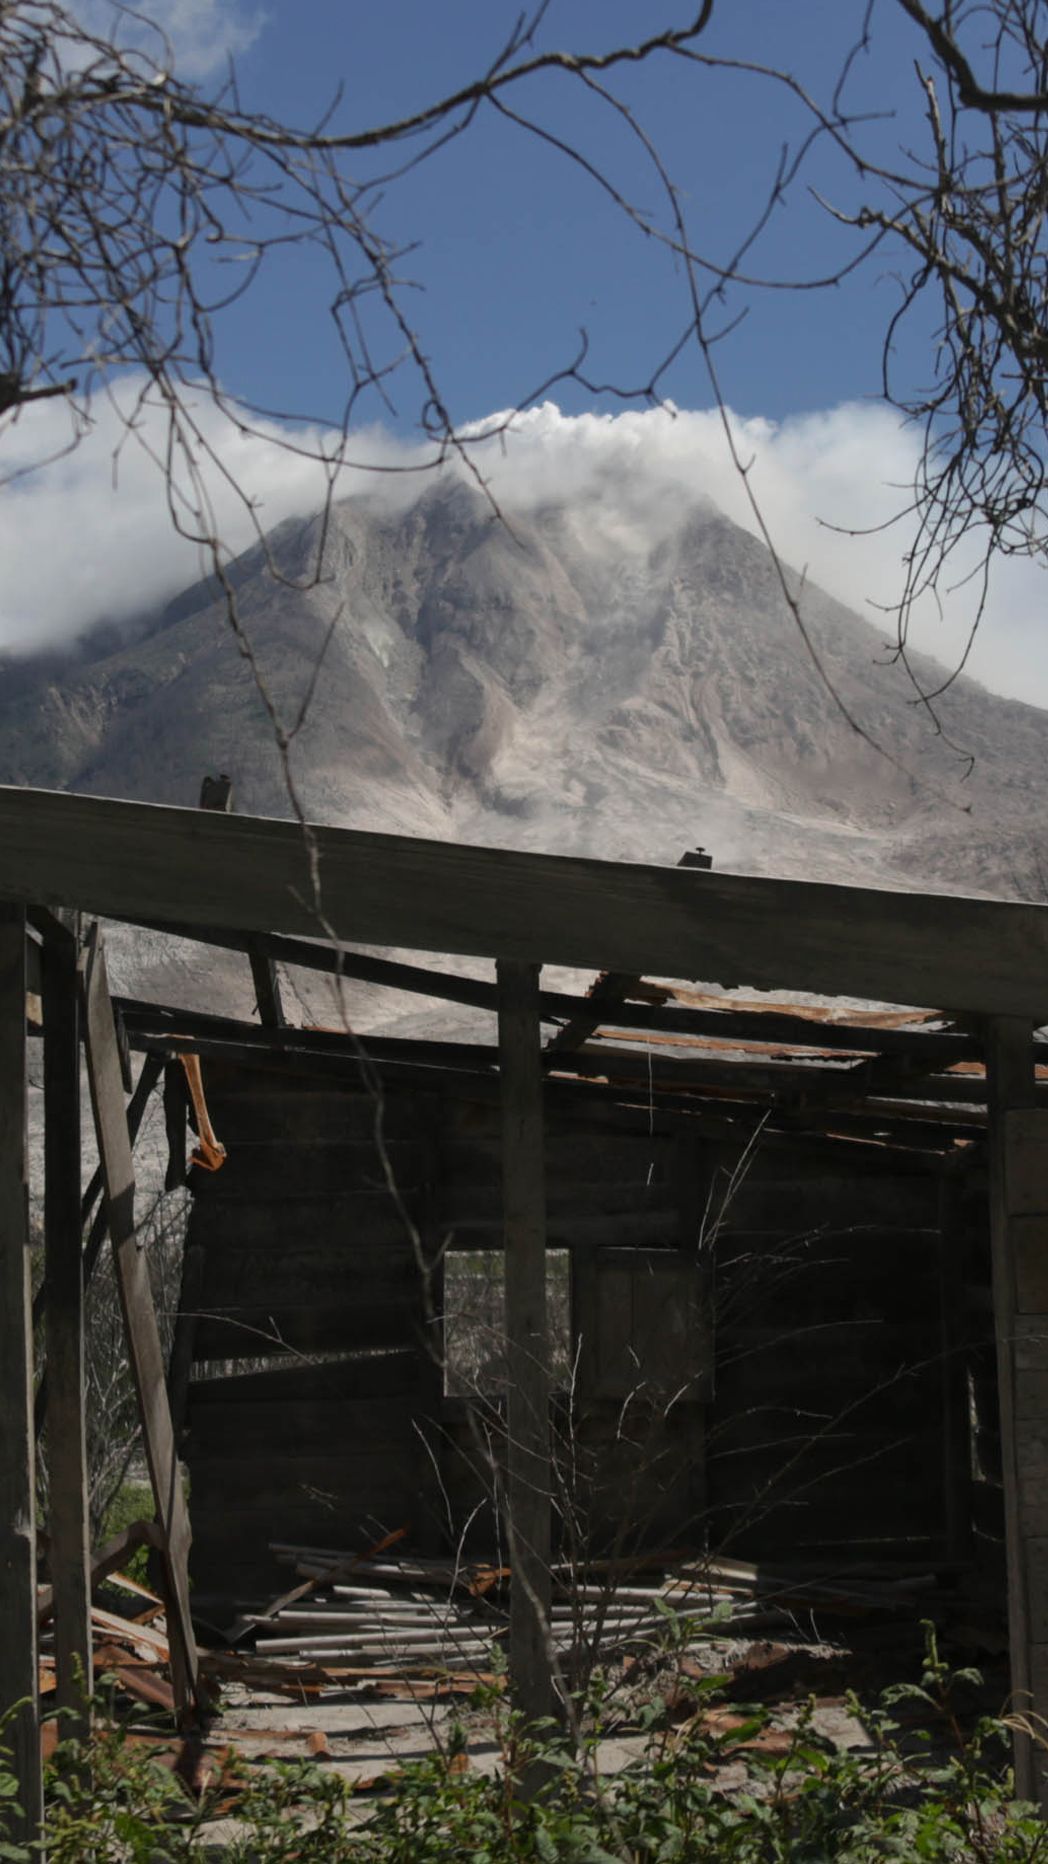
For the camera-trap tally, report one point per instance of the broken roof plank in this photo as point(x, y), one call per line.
point(779, 1023)
point(184, 1030)
point(466, 1068)
point(151, 861)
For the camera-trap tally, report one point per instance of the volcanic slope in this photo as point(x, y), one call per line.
point(551, 681)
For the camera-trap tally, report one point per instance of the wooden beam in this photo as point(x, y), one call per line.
point(136, 1301)
point(788, 1082)
point(268, 1000)
point(217, 793)
point(109, 1558)
point(18, 1644)
point(336, 961)
point(953, 1365)
point(1018, 1153)
point(64, 1311)
point(149, 1074)
point(607, 996)
point(529, 1479)
point(145, 861)
point(727, 1025)
point(611, 988)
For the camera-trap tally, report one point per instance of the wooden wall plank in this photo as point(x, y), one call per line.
point(650, 1328)
point(145, 861)
point(64, 1312)
point(1026, 1160)
point(954, 1398)
point(1030, 1242)
point(1018, 1137)
point(348, 1378)
point(253, 1332)
point(18, 1647)
point(529, 1475)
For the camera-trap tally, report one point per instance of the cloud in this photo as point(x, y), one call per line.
point(201, 35)
point(828, 484)
point(86, 531)
point(89, 536)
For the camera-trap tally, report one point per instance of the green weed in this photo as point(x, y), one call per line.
point(924, 1787)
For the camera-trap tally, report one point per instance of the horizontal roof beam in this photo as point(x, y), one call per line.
point(775, 1025)
point(785, 1084)
point(146, 861)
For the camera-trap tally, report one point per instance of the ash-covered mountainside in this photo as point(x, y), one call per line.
point(551, 681)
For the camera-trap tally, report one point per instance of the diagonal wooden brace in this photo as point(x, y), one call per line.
point(136, 1301)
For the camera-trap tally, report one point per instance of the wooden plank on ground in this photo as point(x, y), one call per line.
point(529, 1475)
point(19, 1676)
point(136, 1300)
point(146, 861)
point(64, 1311)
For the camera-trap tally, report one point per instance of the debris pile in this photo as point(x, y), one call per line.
point(129, 1646)
point(353, 1618)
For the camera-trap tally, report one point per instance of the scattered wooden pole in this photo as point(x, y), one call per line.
point(1018, 1149)
point(136, 1301)
point(64, 1316)
point(529, 1480)
point(18, 1646)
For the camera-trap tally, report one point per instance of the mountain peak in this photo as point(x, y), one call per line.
point(552, 683)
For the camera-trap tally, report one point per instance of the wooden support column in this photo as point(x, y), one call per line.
point(1018, 1146)
point(529, 1476)
point(136, 1301)
point(64, 1315)
point(18, 1646)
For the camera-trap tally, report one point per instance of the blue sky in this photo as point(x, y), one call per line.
point(513, 249)
point(516, 249)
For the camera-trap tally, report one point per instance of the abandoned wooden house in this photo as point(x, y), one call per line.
point(658, 1267)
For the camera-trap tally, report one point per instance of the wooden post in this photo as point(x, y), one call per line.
point(64, 1315)
point(1018, 1149)
point(18, 1646)
point(136, 1301)
point(527, 1410)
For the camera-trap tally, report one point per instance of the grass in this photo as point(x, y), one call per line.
point(132, 1502)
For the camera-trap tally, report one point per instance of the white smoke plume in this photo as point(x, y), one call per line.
point(89, 536)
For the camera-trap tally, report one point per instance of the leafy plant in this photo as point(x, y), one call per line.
point(924, 1787)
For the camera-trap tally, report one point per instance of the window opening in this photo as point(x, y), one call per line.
point(475, 1321)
